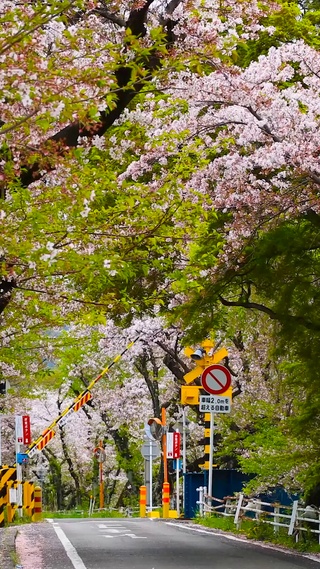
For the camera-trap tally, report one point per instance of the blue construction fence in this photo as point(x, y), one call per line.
point(225, 482)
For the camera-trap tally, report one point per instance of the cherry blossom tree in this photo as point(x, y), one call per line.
point(157, 159)
point(90, 62)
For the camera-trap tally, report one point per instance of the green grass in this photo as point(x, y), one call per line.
point(262, 531)
point(83, 514)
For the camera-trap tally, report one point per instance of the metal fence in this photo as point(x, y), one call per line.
point(296, 518)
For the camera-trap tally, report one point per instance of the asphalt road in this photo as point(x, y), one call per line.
point(142, 544)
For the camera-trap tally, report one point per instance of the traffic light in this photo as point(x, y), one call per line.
point(203, 359)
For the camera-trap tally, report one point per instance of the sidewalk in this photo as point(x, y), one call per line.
point(7, 547)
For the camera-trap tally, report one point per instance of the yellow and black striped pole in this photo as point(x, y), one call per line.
point(207, 439)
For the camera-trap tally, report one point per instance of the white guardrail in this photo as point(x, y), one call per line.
point(128, 511)
point(296, 518)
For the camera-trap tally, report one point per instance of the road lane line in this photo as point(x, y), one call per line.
point(70, 550)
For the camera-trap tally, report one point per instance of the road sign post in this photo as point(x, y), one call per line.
point(176, 449)
point(150, 450)
point(206, 357)
point(210, 477)
point(173, 452)
point(23, 436)
point(216, 380)
point(19, 440)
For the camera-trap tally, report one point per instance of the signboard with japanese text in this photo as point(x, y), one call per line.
point(215, 404)
point(173, 445)
point(23, 430)
point(26, 428)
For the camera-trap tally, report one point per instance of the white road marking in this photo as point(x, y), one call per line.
point(119, 531)
point(70, 550)
point(111, 527)
point(112, 530)
point(132, 535)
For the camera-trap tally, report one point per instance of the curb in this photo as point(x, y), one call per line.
point(7, 547)
point(242, 538)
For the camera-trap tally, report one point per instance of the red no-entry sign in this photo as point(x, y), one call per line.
point(216, 379)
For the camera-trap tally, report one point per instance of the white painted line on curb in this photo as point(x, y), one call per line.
point(70, 550)
point(248, 542)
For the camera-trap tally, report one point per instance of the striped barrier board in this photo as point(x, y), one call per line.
point(7, 474)
point(41, 442)
point(82, 401)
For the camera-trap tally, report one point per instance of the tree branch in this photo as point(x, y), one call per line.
point(273, 315)
point(105, 13)
point(174, 356)
point(313, 217)
point(69, 136)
